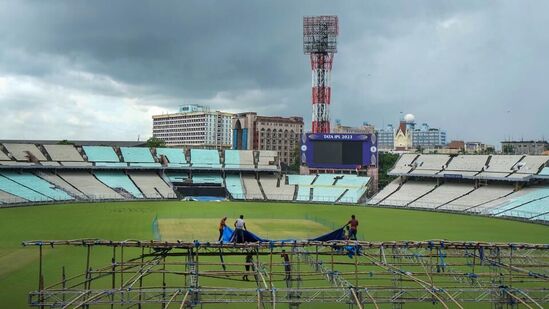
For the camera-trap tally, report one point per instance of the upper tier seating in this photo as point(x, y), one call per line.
point(176, 156)
point(120, 181)
point(21, 152)
point(38, 184)
point(205, 158)
point(14, 188)
point(151, 184)
point(234, 186)
point(239, 159)
point(63, 153)
point(60, 183)
point(530, 165)
point(385, 192)
point(253, 191)
point(325, 179)
point(267, 159)
point(3, 156)
point(478, 197)
point(207, 178)
point(137, 155)
point(403, 165)
point(100, 154)
point(500, 165)
point(89, 185)
point(428, 164)
point(466, 165)
point(276, 189)
point(408, 192)
point(7, 198)
point(442, 195)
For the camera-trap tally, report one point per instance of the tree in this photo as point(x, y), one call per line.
point(294, 166)
point(65, 142)
point(155, 142)
point(386, 162)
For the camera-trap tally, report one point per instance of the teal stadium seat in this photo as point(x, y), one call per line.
point(300, 179)
point(100, 154)
point(207, 178)
point(137, 155)
point(118, 180)
point(544, 172)
point(526, 206)
point(208, 158)
point(38, 184)
point(176, 156)
point(303, 193)
point(16, 189)
point(232, 159)
point(177, 177)
point(234, 186)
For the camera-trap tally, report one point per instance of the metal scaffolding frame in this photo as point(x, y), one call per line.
point(352, 273)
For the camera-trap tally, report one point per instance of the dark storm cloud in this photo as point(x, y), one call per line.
point(426, 58)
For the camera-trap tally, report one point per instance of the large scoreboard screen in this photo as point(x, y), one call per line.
point(327, 150)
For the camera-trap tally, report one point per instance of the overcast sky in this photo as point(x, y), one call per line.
point(101, 69)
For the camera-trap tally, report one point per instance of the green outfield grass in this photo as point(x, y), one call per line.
point(187, 220)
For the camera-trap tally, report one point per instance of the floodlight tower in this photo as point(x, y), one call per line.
point(320, 42)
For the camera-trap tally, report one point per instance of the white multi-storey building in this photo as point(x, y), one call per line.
point(195, 126)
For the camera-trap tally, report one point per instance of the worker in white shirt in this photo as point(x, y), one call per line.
point(240, 226)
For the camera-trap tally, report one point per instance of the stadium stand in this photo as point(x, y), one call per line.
point(385, 192)
point(277, 189)
point(529, 165)
point(86, 183)
point(499, 166)
point(37, 184)
point(3, 156)
point(175, 177)
point(119, 182)
point(534, 197)
point(404, 164)
point(63, 153)
point(253, 191)
point(208, 158)
point(544, 172)
point(138, 156)
point(443, 194)
point(207, 178)
point(100, 154)
point(111, 164)
point(429, 164)
point(303, 193)
point(175, 156)
point(327, 194)
point(14, 188)
point(239, 159)
point(50, 163)
point(409, 192)
point(356, 187)
point(15, 163)
point(60, 183)
point(21, 152)
point(235, 187)
point(466, 165)
point(7, 198)
point(77, 164)
point(478, 197)
point(301, 179)
point(267, 160)
point(152, 185)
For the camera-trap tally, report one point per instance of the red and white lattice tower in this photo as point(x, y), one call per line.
point(320, 42)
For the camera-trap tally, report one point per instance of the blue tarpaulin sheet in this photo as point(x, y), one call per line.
point(230, 236)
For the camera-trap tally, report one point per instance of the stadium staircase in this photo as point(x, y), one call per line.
point(261, 188)
point(342, 194)
point(457, 198)
point(428, 192)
